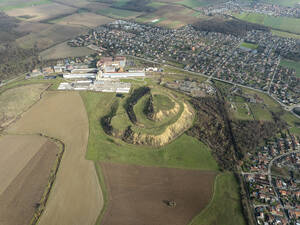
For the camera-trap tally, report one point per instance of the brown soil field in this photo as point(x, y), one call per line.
point(41, 12)
point(15, 101)
point(87, 4)
point(182, 14)
point(63, 50)
point(26, 162)
point(76, 197)
point(137, 194)
point(84, 19)
point(31, 27)
point(48, 37)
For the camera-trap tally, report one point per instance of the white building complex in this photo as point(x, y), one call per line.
point(123, 75)
point(80, 76)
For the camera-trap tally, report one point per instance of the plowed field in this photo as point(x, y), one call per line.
point(137, 195)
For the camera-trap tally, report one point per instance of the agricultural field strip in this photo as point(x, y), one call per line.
point(16, 151)
point(51, 116)
point(17, 100)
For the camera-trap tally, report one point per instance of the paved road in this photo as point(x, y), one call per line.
point(273, 76)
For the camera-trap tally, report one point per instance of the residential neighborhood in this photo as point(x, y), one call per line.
point(252, 60)
point(273, 181)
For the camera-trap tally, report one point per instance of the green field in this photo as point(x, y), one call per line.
point(291, 64)
point(194, 154)
point(249, 45)
point(285, 34)
point(282, 23)
point(241, 112)
point(293, 122)
point(260, 112)
point(290, 3)
point(162, 102)
point(6, 5)
point(198, 3)
point(225, 207)
point(118, 13)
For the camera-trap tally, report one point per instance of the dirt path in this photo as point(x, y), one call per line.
point(76, 197)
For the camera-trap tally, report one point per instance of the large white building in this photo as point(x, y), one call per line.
point(123, 75)
point(80, 76)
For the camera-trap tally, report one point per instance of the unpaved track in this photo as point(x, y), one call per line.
point(76, 197)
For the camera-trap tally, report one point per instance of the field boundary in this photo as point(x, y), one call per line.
point(210, 202)
point(52, 177)
point(104, 192)
point(28, 108)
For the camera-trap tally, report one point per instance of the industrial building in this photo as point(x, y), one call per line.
point(80, 76)
point(104, 85)
point(123, 75)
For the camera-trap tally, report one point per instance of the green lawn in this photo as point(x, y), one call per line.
point(6, 5)
point(242, 113)
point(184, 152)
point(291, 64)
point(225, 207)
point(118, 13)
point(249, 45)
point(293, 122)
point(282, 23)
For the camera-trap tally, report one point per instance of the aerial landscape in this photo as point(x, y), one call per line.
point(154, 112)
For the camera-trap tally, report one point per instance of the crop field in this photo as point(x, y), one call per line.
point(53, 35)
point(291, 64)
point(17, 100)
point(225, 207)
point(76, 197)
point(7, 5)
point(118, 13)
point(89, 20)
point(291, 3)
point(41, 12)
point(281, 23)
point(168, 18)
point(285, 34)
point(26, 162)
point(28, 27)
point(198, 3)
point(63, 50)
point(190, 189)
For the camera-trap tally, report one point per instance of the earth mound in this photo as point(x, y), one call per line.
point(148, 117)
